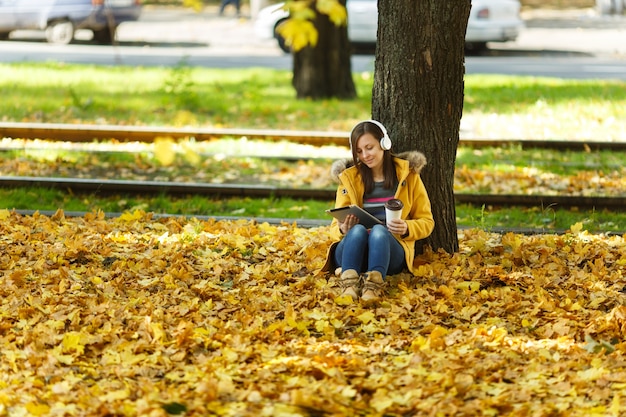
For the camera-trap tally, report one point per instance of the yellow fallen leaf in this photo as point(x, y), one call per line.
point(4, 214)
point(576, 227)
point(366, 317)
point(348, 392)
point(158, 334)
point(592, 374)
point(381, 401)
point(37, 409)
point(74, 342)
point(321, 325)
point(115, 395)
point(616, 405)
point(164, 150)
point(128, 216)
point(468, 285)
point(343, 300)
point(191, 155)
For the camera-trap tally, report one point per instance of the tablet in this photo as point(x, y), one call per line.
point(365, 218)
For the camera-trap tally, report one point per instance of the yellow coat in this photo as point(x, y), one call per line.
point(411, 191)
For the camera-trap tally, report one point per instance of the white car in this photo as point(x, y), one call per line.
point(61, 18)
point(489, 21)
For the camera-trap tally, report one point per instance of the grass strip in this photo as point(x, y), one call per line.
point(542, 218)
point(507, 107)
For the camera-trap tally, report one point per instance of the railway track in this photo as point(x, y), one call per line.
point(146, 134)
point(116, 187)
point(88, 133)
point(304, 223)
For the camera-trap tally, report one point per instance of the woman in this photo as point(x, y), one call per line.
point(374, 176)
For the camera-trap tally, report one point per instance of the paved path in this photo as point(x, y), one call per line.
point(222, 36)
point(580, 30)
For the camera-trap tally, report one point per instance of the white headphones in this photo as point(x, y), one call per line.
point(385, 141)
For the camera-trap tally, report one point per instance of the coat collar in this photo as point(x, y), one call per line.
point(416, 161)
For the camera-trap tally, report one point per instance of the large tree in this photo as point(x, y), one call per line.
point(418, 94)
point(418, 82)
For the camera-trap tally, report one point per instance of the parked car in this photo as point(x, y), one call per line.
point(489, 21)
point(61, 18)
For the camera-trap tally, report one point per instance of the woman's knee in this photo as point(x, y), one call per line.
point(358, 231)
point(379, 232)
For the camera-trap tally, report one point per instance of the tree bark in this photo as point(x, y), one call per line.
point(325, 70)
point(418, 94)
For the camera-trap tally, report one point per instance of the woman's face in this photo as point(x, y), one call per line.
point(369, 152)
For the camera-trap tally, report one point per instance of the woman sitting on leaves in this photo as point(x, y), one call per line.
point(364, 257)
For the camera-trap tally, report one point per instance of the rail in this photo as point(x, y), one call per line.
point(146, 134)
point(304, 223)
point(109, 187)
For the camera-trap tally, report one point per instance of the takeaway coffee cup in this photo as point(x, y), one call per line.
point(393, 209)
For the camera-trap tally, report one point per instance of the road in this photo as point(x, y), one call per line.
point(566, 45)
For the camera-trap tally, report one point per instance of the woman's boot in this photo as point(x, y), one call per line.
point(373, 287)
point(349, 283)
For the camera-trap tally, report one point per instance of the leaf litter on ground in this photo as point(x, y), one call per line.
point(135, 315)
point(185, 161)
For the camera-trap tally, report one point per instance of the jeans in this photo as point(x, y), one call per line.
point(373, 250)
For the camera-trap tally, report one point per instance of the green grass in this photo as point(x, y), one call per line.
point(180, 96)
point(540, 218)
point(563, 162)
point(51, 199)
point(495, 107)
point(529, 107)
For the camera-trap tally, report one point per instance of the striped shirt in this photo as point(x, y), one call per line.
point(374, 202)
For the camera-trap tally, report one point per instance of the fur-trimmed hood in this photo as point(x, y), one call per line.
point(417, 161)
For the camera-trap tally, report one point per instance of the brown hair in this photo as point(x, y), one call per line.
point(389, 169)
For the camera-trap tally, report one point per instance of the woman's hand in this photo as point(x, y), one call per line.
point(348, 223)
point(397, 227)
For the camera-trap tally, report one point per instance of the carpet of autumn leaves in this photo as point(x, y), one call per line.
point(136, 315)
point(494, 178)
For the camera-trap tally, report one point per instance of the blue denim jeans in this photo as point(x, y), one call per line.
point(373, 250)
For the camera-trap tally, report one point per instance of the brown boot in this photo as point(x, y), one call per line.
point(349, 282)
point(373, 287)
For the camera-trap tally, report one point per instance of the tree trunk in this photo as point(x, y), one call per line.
point(418, 94)
point(325, 70)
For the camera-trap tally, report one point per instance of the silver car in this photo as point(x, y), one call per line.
point(61, 18)
point(489, 21)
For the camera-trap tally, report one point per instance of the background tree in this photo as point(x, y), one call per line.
point(317, 34)
point(418, 94)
